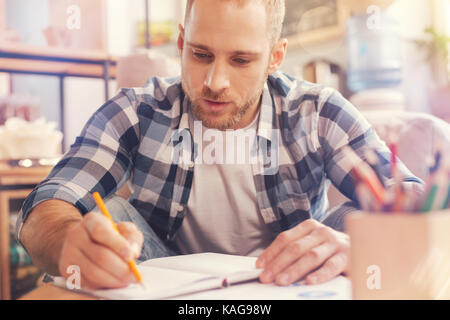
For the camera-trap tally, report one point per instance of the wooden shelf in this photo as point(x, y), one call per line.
point(15, 183)
point(60, 62)
point(21, 175)
point(54, 68)
point(52, 51)
point(21, 58)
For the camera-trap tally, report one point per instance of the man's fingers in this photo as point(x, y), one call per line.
point(133, 235)
point(283, 240)
point(92, 276)
point(330, 269)
point(291, 253)
point(109, 262)
point(97, 249)
point(303, 249)
point(101, 256)
point(314, 258)
point(101, 231)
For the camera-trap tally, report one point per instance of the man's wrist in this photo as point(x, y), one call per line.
point(336, 218)
point(43, 233)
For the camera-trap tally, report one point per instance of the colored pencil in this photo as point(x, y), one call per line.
point(132, 265)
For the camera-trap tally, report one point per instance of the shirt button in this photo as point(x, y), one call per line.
point(180, 208)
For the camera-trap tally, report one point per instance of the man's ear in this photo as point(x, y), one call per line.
point(277, 55)
point(180, 41)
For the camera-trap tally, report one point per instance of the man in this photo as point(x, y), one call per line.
point(184, 200)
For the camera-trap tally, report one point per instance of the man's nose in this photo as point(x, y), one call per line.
point(217, 79)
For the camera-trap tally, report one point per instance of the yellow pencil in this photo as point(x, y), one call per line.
point(101, 205)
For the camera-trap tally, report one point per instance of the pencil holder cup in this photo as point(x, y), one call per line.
point(400, 256)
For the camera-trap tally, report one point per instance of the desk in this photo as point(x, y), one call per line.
point(50, 292)
point(15, 183)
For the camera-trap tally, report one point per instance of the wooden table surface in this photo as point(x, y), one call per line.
point(50, 292)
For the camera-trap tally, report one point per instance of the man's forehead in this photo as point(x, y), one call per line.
point(238, 3)
point(231, 7)
point(220, 24)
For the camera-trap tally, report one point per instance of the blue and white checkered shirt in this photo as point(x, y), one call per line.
point(135, 135)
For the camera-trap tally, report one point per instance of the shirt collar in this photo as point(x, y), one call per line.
point(266, 116)
point(184, 120)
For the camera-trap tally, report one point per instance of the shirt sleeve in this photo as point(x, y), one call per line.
point(101, 159)
point(341, 125)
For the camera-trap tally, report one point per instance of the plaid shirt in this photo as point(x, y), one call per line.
point(135, 135)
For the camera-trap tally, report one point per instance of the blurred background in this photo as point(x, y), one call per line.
point(399, 47)
point(61, 59)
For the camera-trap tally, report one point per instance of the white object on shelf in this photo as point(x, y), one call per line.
point(20, 139)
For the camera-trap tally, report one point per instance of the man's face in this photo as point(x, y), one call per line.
point(225, 57)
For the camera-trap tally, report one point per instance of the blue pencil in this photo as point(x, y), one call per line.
point(437, 162)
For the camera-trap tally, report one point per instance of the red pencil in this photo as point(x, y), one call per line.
point(365, 173)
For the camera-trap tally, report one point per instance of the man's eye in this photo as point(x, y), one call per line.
point(241, 61)
point(202, 56)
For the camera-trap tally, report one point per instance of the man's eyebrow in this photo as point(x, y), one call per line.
point(198, 46)
point(237, 52)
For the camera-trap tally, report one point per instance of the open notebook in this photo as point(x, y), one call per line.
point(179, 275)
point(204, 275)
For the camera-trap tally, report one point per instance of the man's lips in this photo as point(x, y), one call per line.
point(215, 105)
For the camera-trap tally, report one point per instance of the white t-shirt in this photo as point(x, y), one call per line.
point(222, 213)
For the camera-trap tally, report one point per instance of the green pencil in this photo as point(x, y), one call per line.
point(430, 198)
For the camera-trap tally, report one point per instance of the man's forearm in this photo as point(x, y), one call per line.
point(44, 231)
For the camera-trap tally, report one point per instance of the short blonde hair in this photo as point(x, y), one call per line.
point(275, 9)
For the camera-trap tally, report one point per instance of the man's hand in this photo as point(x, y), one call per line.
point(100, 252)
point(310, 250)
